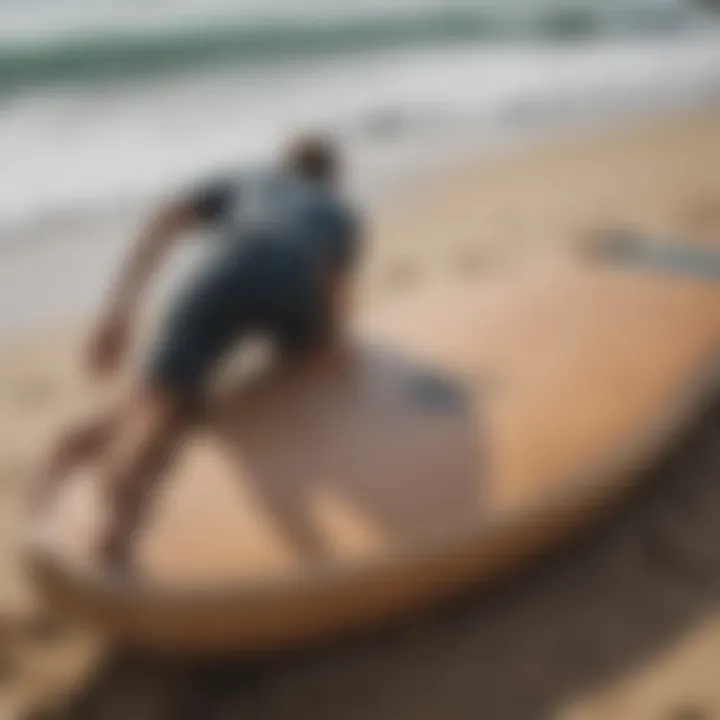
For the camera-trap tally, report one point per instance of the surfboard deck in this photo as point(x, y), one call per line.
point(470, 428)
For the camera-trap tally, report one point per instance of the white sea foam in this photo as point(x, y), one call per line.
point(72, 149)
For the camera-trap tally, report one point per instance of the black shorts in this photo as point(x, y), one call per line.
point(234, 295)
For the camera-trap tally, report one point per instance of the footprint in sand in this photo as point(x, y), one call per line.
point(468, 260)
point(33, 394)
point(702, 221)
point(44, 628)
point(688, 712)
point(8, 641)
point(8, 666)
point(403, 274)
point(13, 474)
point(707, 209)
point(39, 628)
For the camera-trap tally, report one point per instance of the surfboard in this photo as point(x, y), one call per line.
point(472, 427)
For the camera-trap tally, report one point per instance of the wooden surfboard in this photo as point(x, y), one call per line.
point(471, 428)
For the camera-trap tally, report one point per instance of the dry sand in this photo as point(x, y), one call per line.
point(625, 624)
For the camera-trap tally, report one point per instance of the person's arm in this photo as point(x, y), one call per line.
point(151, 247)
point(111, 340)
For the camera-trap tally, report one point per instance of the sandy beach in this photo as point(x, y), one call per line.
point(624, 624)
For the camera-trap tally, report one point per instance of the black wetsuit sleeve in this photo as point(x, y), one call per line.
point(211, 201)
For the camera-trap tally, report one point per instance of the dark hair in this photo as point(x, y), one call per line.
point(316, 157)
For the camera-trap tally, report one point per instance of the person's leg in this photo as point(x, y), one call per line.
point(80, 444)
point(131, 464)
point(212, 312)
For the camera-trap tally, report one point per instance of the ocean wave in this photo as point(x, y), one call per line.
point(109, 53)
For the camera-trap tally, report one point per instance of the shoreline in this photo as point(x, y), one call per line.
point(73, 262)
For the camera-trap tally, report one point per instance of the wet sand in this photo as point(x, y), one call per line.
point(624, 624)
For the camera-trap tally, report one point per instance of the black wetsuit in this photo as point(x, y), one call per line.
point(277, 235)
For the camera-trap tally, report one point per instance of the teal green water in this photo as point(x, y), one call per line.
point(46, 49)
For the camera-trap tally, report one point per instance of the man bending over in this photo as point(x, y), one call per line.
point(287, 246)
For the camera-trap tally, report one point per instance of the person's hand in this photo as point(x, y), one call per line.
point(110, 342)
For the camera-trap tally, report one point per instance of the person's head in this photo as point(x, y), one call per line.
point(315, 157)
